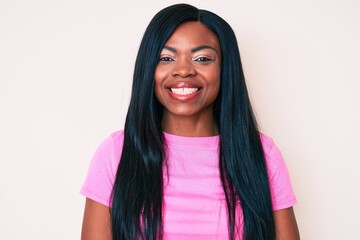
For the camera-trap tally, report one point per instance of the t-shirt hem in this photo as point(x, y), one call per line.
point(285, 205)
point(94, 197)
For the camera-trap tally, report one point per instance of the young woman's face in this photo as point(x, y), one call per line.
point(187, 77)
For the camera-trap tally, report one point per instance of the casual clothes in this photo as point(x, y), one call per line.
point(194, 200)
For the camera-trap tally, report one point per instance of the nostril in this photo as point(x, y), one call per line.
point(184, 71)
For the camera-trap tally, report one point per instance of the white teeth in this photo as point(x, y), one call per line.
point(184, 91)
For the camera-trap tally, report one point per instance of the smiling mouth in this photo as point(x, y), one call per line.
point(184, 91)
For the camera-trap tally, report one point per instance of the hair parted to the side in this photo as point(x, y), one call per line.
point(137, 195)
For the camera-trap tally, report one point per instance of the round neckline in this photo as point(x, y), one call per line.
point(209, 141)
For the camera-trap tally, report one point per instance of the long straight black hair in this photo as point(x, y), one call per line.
point(137, 197)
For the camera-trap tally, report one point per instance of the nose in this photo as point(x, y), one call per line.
point(183, 68)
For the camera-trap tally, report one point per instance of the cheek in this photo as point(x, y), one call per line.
point(157, 78)
point(216, 82)
point(160, 74)
point(215, 77)
point(158, 87)
point(216, 89)
point(157, 92)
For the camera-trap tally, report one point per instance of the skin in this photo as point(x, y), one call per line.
point(191, 58)
point(96, 222)
point(285, 225)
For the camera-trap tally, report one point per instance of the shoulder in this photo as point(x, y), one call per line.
point(106, 158)
point(117, 139)
point(273, 157)
point(102, 170)
point(118, 136)
point(271, 150)
point(279, 181)
point(267, 142)
point(111, 146)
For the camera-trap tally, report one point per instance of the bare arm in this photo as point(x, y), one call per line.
point(285, 225)
point(96, 222)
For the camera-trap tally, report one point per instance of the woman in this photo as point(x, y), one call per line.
point(190, 163)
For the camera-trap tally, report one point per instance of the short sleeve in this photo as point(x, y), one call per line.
point(101, 174)
point(282, 193)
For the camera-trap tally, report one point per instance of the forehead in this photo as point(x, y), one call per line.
point(193, 34)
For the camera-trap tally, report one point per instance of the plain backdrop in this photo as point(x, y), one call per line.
point(65, 79)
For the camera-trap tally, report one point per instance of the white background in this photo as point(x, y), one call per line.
point(65, 80)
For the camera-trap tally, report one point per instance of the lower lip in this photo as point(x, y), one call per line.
point(183, 98)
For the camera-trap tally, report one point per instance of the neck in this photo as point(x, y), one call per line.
point(189, 126)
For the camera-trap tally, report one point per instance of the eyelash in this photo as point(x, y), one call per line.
point(200, 59)
point(166, 59)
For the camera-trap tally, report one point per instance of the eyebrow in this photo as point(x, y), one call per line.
point(203, 47)
point(170, 49)
point(195, 49)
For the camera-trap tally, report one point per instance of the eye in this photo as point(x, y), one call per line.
point(166, 59)
point(203, 59)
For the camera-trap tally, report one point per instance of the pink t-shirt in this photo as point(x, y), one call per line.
point(194, 201)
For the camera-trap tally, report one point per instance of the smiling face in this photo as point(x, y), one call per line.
point(187, 77)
